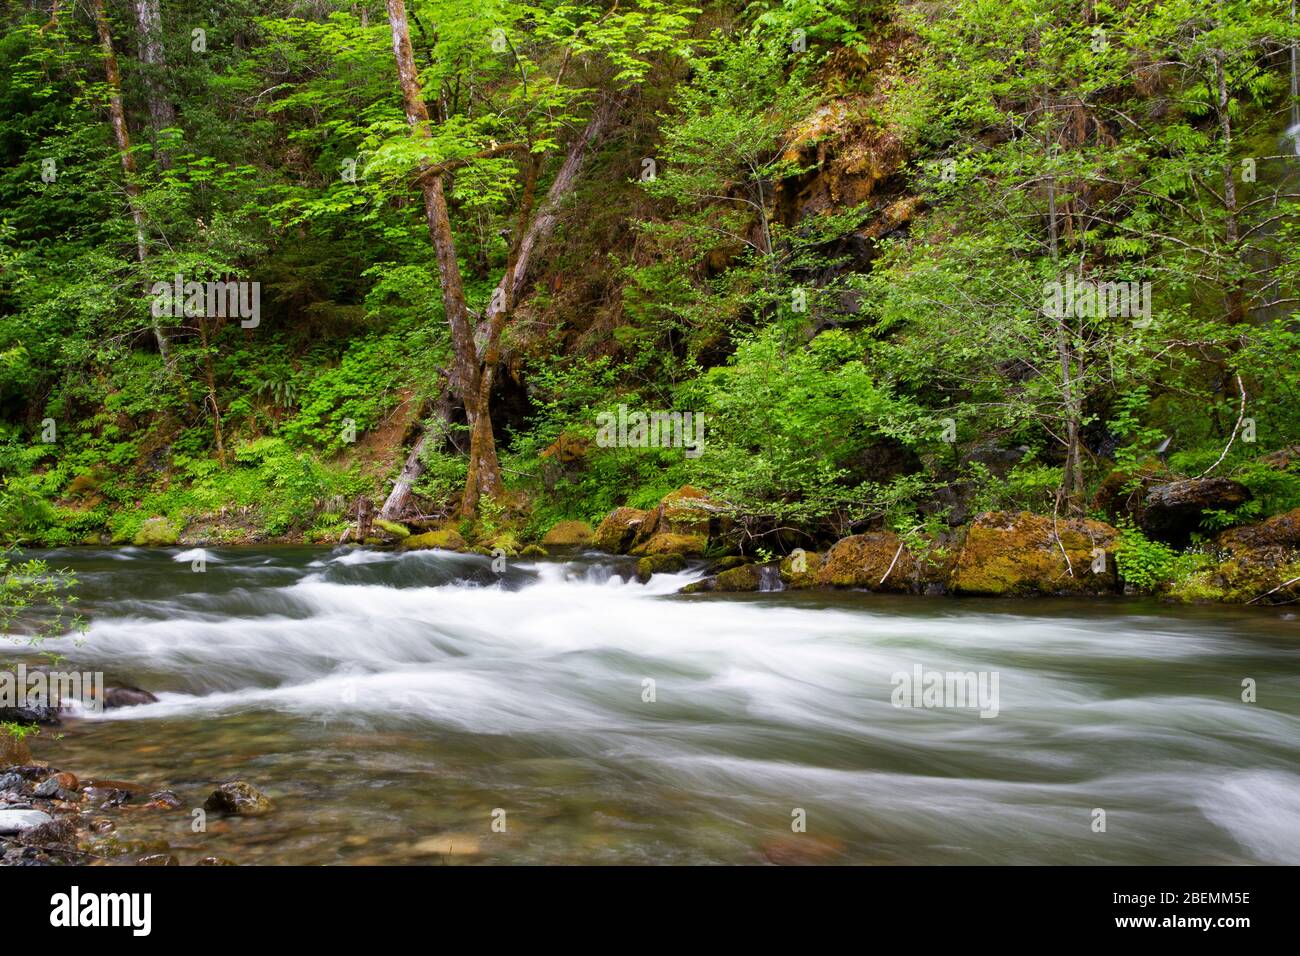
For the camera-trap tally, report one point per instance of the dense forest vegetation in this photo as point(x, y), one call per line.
point(903, 262)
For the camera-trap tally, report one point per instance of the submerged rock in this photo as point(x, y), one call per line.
point(165, 800)
point(60, 831)
point(39, 714)
point(1019, 554)
point(238, 799)
point(127, 697)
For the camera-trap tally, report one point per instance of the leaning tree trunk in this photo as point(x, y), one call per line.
point(399, 499)
point(466, 377)
point(153, 60)
point(117, 117)
point(484, 475)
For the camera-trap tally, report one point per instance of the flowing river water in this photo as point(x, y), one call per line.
point(392, 705)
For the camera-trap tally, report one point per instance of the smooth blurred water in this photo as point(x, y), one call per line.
point(389, 704)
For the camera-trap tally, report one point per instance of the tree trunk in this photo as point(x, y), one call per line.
point(1235, 304)
point(463, 377)
point(153, 60)
point(212, 390)
point(484, 476)
point(117, 117)
point(399, 499)
point(1072, 403)
point(467, 377)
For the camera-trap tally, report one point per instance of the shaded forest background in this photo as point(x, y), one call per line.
point(824, 225)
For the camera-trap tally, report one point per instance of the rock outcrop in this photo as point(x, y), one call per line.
point(879, 561)
point(448, 539)
point(1254, 564)
point(1025, 554)
point(1174, 510)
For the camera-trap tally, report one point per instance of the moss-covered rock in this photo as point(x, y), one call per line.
point(399, 531)
point(618, 531)
point(238, 799)
point(533, 551)
point(687, 545)
point(727, 562)
point(659, 564)
point(448, 539)
point(504, 543)
point(1253, 564)
point(686, 512)
point(156, 533)
point(1019, 554)
point(799, 569)
point(1279, 531)
point(568, 534)
point(878, 561)
point(701, 586)
point(747, 577)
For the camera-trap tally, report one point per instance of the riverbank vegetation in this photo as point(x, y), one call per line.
point(920, 269)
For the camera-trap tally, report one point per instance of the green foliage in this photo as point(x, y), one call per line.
point(1148, 565)
point(35, 601)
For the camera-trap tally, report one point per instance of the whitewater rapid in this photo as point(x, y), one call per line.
point(761, 700)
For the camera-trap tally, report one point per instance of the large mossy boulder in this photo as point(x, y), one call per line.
point(447, 539)
point(684, 522)
point(747, 577)
point(686, 545)
point(156, 533)
point(1256, 563)
point(1021, 554)
point(1174, 510)
point(799, 569)
point(568, 534)
point(878, 561)
point(619, 529)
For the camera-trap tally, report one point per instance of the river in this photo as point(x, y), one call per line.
point(396, 707)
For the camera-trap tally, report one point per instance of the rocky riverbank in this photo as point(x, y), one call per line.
point(50, 816)
point(1155, 546)
point(1006, 554)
